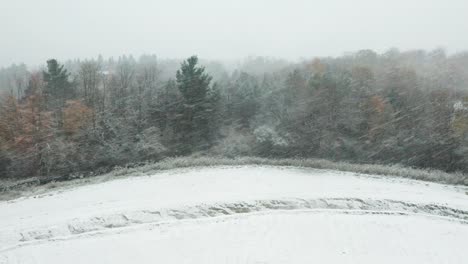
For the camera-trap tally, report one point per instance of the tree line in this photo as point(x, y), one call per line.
point(87, 116)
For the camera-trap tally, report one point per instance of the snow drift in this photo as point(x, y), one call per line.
point(240, 215)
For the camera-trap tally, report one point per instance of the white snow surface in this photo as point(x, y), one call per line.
point(249, 214)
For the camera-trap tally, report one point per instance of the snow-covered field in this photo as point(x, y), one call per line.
point(240, 215)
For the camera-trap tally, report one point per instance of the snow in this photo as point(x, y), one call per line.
point(248, 214)
point(272, 238)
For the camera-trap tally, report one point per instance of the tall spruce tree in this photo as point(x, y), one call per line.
point(58, 88)
point(57, 84)
point(197, 108)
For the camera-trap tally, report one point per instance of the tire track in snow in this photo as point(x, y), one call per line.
point(114, 222)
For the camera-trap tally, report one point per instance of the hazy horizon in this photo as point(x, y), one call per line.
point(34, 31)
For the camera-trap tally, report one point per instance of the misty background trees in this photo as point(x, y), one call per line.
point(86, 116)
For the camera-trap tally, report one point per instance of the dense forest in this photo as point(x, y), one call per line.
point(78, 117)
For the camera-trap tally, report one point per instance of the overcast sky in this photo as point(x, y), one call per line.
point(34, 30)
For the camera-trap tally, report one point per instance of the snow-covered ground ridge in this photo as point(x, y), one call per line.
point(197, 193)
point(147, 207)
point(101, 224)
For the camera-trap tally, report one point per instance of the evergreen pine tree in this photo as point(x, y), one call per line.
point(197, 108)
point(58, 88)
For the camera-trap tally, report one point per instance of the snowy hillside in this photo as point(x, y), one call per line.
point(240, 215)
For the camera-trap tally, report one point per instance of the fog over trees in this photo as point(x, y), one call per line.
point(82, 116)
